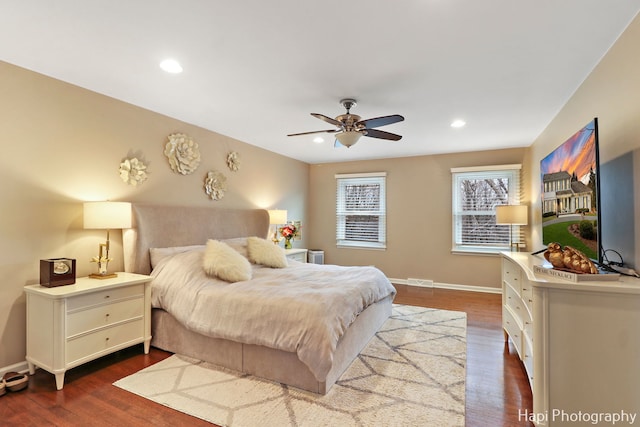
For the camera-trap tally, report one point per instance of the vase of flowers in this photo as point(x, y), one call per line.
point(288, 231)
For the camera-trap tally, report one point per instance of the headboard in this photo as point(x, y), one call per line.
point(156, 226)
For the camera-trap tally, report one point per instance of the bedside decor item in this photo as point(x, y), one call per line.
point(183, 153)
point(57, 272)
point(511, 215)
point(288, 232)
point(133, 171)
point(277, 217)
point(215, 184)
point(233, 161)
point(106, 216)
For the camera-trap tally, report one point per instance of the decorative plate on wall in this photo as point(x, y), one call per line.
point(233, 161)
point(183, 153)
point(215, 184)
point(133, 171)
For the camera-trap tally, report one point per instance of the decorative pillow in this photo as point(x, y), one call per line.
point(156, 254)
point(226, 263)
point(239, 244)
point(264, 252)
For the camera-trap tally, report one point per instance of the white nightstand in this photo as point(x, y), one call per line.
point(299, 255)
point(74, 324)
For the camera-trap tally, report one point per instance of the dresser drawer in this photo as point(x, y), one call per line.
point(512, 300)
point(513, 328)
point(102, 297)
point(103, 315)
point(88, 346)
point(511, 274)
point(527, 358)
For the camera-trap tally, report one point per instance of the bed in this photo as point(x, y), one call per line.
point(157, 226)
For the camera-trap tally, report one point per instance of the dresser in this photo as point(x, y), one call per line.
point(579, 343)
point(296, 254)
point(74, 324)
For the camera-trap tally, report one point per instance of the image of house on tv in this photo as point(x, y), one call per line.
point(564, 194)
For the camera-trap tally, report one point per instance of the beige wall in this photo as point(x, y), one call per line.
point(419, 226)
point(611, 93)
point(63, 145)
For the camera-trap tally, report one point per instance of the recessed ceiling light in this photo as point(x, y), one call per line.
point(458, 123)
point(171, 66)
point(318, 140)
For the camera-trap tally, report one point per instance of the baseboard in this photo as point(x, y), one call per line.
point(468, 288)
point(21, 367)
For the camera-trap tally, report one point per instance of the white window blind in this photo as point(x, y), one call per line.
point(476, 193)
point(361, 210)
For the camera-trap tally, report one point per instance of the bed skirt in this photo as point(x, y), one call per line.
point(276, 365)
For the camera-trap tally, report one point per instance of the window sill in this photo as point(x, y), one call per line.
point(478, 251)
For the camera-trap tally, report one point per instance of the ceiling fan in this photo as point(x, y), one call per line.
point(350, 127)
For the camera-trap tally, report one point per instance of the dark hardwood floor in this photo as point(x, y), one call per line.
point(497, 387)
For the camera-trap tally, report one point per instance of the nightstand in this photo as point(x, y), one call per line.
point(74, 324)
point(299, 255)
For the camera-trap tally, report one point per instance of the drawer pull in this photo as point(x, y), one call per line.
point(106, 296)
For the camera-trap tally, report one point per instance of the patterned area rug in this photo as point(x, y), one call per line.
point(411, 373)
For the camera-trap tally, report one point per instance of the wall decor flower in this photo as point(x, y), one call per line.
point(233, 161)
point(183, 153)
point(215, 184)
point(133, 171)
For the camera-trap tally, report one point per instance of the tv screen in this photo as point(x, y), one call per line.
point(570, 193)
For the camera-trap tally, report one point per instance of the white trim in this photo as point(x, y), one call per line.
point(486, 168)
point(469, 288)
point(21, 367)
point(359, 175)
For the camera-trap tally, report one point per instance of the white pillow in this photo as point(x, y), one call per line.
point(156, 254)
point(226, 263)
point(264, 252)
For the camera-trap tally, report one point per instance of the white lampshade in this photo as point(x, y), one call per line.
point(348, 138)
point(277, 216)
point(511, 215)
point(107, 215)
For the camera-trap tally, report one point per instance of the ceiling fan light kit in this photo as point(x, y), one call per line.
point(350, 127)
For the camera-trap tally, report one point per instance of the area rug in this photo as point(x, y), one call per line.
point(411, 373)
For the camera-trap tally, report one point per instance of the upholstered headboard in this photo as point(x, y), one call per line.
point(156, 226)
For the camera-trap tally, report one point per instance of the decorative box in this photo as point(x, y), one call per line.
point(57, 272)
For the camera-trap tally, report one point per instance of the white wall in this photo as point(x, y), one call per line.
point(611, 93)
point(63, 145)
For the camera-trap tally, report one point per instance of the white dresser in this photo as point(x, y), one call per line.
point(74, 324)
point(579, 343)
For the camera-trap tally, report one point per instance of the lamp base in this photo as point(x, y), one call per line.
point(102, 276)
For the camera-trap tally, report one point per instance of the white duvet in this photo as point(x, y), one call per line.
point(303, 308)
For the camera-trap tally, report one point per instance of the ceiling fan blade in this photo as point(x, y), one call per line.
point(380, 121)
point(314, 131)
point(327, 119)
point(375, 133)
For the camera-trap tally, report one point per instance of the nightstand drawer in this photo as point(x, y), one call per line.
point(87, 346)
point(86, 320)
point(300, 257)
point(103, 297)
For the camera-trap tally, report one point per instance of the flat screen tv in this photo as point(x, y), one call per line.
point(571, 193)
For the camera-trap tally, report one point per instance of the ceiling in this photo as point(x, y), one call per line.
point(254, 70)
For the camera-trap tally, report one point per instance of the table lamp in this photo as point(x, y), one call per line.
point(277, 217)
point(512, 215)
point(106, 216)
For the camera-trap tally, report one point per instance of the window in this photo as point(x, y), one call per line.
point(361, 210)
point(476, 193)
